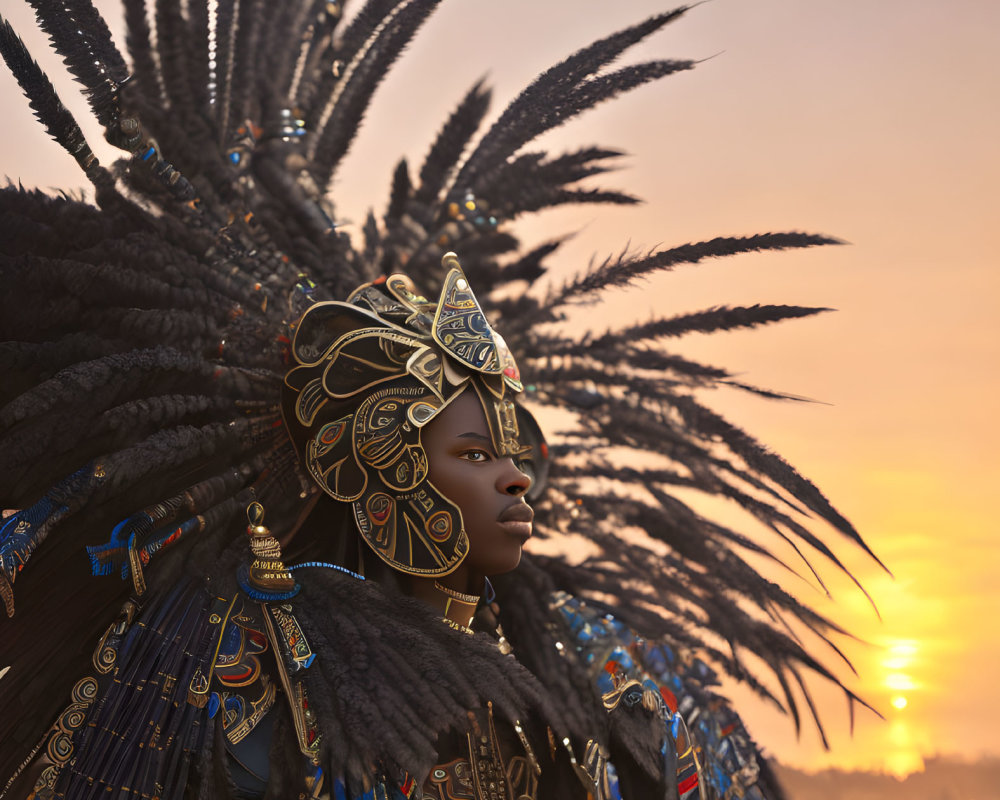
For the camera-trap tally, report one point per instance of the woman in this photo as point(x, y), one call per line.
point(405, 409)
point(158, 382)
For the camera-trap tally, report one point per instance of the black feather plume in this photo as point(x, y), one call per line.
point(627, 268)
point(82, 38)
point(49, 110)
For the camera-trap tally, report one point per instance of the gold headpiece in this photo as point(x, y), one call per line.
point(370, 374)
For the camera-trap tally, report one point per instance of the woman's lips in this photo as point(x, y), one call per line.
point(516, 519)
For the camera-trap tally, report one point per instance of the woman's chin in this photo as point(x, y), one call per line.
point(501, 566)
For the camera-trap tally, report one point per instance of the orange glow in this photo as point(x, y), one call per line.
point(903, 762)
point(899, 682)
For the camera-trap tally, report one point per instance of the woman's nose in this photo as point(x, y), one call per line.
point(511, 480)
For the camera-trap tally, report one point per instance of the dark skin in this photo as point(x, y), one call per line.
point(488, 489)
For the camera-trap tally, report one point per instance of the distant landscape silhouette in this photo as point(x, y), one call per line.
point(943, 778)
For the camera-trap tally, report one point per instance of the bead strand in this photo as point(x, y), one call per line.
point(326, 565)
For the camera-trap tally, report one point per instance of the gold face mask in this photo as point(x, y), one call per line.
point(369, 374)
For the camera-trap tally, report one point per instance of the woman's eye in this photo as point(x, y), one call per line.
point(475, 455)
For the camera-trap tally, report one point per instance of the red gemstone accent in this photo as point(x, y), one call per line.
point(669, 698)
point(172, 538)
point(612, 667)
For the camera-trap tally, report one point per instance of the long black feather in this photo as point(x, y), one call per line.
point(316, 67)
point(451, 142)
point(197, 67)
point(49, 110)
point(517, 123)
point(82, 38)
point(626, 269)
point(226, 31)
point(400, 193)
point(606, 87)
point(363, 27)
point(335, 136)
point(529, 182)
point(719, 318)
point(146, 85)
point(175, 56)
point(247, 60)
point(330, 58)
point(771, 465)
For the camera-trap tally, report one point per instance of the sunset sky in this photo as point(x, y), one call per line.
point(876, 122)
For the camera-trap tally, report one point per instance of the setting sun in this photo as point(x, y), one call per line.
point(898, 702)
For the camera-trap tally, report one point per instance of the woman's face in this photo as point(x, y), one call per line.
point(488, 490)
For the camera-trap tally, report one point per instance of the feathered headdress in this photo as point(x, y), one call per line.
point(146, 339)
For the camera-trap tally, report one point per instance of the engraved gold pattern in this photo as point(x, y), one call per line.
point(370, 374)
